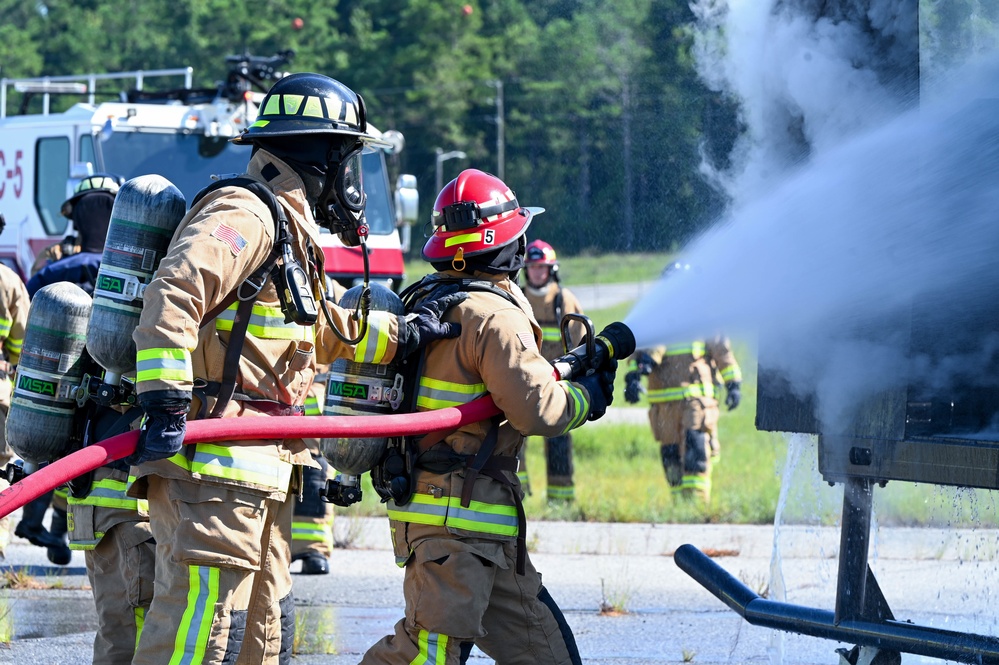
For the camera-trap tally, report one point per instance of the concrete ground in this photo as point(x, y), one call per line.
point(934, 577)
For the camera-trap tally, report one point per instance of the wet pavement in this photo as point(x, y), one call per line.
point(934, 577)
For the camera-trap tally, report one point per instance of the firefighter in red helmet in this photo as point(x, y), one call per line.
point(550, 302)
point(460, 530)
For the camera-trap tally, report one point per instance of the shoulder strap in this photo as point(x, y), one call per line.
point(559, 304)
point(425, 288)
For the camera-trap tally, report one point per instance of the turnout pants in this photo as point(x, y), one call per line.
point(559, 466)
point(312, 524)
point(684, 429)
point(463, 591)
point(121, 570)
point(223, 589)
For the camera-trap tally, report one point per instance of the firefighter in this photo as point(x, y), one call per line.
point(683, 404)
point(77, 259)
point(461, 535)
point(90, 211)
point(550, 301)
point(219, 513)
point(14, 303)
point(312, 522)
point(111, 528)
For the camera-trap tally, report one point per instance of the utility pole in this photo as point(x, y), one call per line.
point(500, 124)
point(439, 164)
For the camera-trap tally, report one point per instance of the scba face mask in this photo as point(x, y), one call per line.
point(340, 207)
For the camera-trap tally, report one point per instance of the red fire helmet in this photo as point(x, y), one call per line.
point(475, 213)
point(540, 253)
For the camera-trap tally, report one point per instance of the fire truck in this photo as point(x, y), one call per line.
point(179, 132)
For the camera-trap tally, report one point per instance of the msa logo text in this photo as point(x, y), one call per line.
point(343, 389)
point(36, 386)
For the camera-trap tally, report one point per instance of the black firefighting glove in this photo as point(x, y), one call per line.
point(600, 386)
point(733, 395)
point(424, 325)
point(645, 363)
point(632, 386)
point(161, 434)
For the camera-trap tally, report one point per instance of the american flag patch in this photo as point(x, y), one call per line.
point(230, 237)
point(528, 340)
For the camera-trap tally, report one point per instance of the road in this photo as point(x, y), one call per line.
point(937, 577)
point(602, 296)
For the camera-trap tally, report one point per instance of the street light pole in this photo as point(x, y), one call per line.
point(439, 171)
point(500, 126)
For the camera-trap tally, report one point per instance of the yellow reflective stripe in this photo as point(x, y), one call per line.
point(309, 106)
point(109, 493)
point(438, 394)
point(580, 404)
point(695, 349)
point(379, 329)
point(196, 623)
point(463, 238)
point(140, 622)
point(239, 463)
point(292, 103)
point(312, 406)
point(313, 108)
point(311, 532)
point(681, 392)
point(561, 492)
point(731, 373)
point(5, 325)
point(433, 649)
point(265, 323)
point(551, 334)
point(483, 517)
point(13, 344)
point(273, 106)
point(163, 365)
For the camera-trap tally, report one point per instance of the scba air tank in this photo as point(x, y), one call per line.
point(146, 213)
point(40, 422)
point(361, 389)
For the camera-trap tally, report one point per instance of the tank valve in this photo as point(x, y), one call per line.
point(343, 490)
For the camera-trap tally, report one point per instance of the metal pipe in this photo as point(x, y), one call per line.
point(892, 635)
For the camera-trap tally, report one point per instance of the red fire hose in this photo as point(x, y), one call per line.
point(236, 429)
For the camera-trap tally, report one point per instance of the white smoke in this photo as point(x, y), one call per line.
point(845, 210)
point(798, 80)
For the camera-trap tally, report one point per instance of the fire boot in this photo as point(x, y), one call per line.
point(30, 527)
point(312, 563)
point(59, 554)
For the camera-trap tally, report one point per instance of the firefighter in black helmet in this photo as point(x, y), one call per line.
point(221, 514)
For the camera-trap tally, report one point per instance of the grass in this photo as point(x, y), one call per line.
point(615, 603)
point(583, 269)
point(619, 477)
